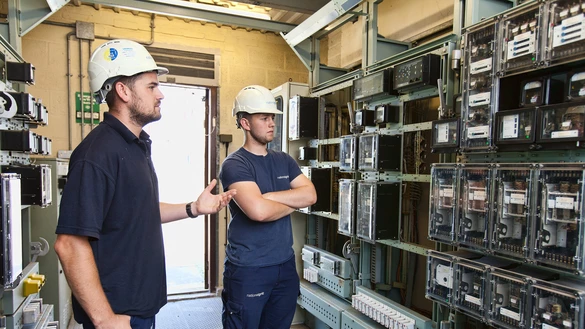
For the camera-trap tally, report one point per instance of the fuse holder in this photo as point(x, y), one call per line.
point(31, 286)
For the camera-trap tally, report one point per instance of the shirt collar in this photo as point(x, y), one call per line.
point(118, 126)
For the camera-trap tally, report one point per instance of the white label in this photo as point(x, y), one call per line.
point(546, 326)
point(517, 198)
point(444, 276)
point(513, 300)
point(443, 133)
point(510, 126)
point(567, 324)
point(564, 134)
point(479, 195)
point(473, 300)
point(546, 316)
point(551, 203)
point(481, 66)
point(368, 160)
point(524, 26)
point(348, 160)
point(582, 92)
point(480, 99)
point(478, 132)
point(510, 314)
point(447, 193)
point(523, 44)
point(564, 203)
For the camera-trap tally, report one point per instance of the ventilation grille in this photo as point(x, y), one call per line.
point(185, 63)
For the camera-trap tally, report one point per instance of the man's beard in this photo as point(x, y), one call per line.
point(142, 119)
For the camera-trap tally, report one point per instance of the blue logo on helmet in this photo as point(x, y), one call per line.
point(111, 55)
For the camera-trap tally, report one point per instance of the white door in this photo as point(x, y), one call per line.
point(178, 153)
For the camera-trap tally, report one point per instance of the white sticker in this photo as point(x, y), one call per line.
point(564, 203)
point(447, 192)
point(551, 203)
point(513, 300)
point(567, 324)
point(479, 195)
point(348, 160)
point(517, 198)
point(368, 160)
point(478, 132)
point(564, 134)
point(546, 316)
point(511, 314)
point(582, 92)
point(443, 133)
point(546, 326)
point(473, 300)
point(510, 126)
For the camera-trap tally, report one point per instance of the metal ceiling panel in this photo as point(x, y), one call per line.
point(301, 6)
point(184, 10)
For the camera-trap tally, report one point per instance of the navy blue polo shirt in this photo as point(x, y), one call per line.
point(253, 243)
point(111, 196)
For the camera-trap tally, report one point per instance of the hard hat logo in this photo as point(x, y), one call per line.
point(117, 58)
point(110, 55)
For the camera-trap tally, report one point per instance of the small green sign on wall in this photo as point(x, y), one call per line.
point(87, 110)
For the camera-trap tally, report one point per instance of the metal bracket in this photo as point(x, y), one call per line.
point(39, 248)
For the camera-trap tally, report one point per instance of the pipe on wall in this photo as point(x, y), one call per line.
point(69, 110)
point(81, 88)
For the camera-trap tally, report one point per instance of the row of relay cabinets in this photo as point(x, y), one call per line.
point(504, 294)
point(528, 212)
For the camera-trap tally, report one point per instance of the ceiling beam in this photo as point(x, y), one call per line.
point(303, 6)
point(187, 10)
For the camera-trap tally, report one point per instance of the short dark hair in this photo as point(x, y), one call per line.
point(241, 115)
point(128, 81)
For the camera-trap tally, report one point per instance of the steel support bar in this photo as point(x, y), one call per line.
point(33, 12)
point(176, 9)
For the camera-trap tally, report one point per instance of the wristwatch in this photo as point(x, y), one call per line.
point(188, 210)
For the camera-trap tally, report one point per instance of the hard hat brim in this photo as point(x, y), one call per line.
point(162, 70)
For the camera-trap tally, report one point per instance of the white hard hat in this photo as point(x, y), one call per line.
point(255, 99)
point(117, 58)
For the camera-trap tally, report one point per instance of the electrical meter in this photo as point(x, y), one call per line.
point(558, 304)
point(516, 129)
point(514, 210)
point(445, 138)
point(577, 86)
point(443, 217)
point(475, 187)
point(417, 73)
point(480, 86)
point(379, 152)
point(378, 211)
point(560, 226)
point(520, 38)
point(562, 126)
point(567, 19)
point(347, 205)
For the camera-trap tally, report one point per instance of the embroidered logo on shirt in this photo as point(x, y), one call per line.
point(282, 177)
point(255, 295)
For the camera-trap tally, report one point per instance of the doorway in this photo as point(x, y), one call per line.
point(178, 154)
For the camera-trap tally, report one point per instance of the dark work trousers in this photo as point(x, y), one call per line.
point(135, 322)
point(259, 297)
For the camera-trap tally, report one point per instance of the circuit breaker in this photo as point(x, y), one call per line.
point(513, 210)
point(480, 86)
point(521, 37)
point(473, 284)
point(567, 20)
point(562, 126)
point(475, 187)
point(379, 152)
point(560, 228)
point(443, 217)
point(441, 274)
point(558, 304)
point(348, 153)
point(378, 210)
point(347, 205)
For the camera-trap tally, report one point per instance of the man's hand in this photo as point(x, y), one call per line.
point(208, 203)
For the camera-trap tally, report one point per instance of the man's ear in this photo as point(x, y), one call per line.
point(123, 91)
point(244, 123)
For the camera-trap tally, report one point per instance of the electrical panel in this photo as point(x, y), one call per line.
point(321, 179)
point(441, 274)
point(558, 304)
point(473, 284)
point(417, 73)
point(378, 211)
point(560, 227)
point(35, 183)
point(577, 86)
point(379, 152)
point(303, 115)
point(365, 118)
point(445, 136)
point(521, 37)
point(375, 84)
point(11, 236)
point(475, 188)
point(328, 270)
point(480, 86)
point(509, 299)
point(513, 207)
point(387, 114)
point(347, 205)
point(20, 72)
point(19, 141)
point(567, 21)
point(516, 129)
point(348, 153)
point(443, 215)
point(562, 125)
